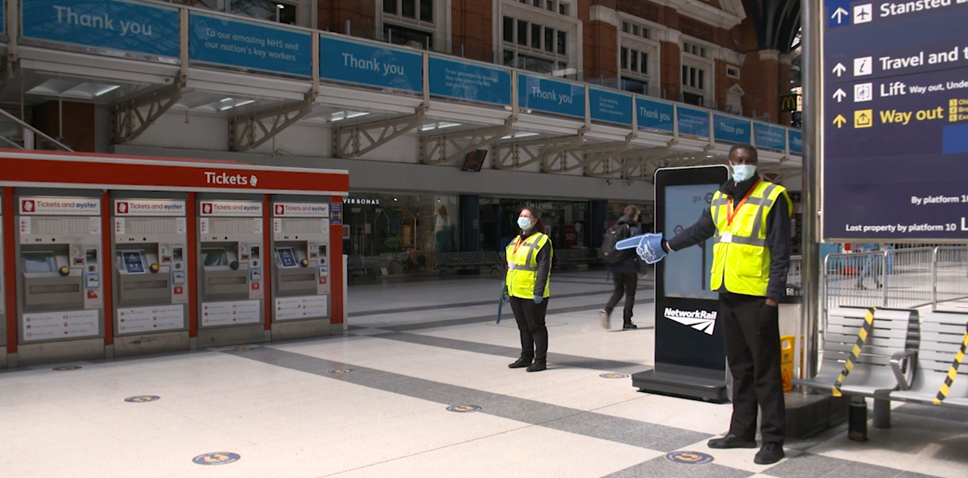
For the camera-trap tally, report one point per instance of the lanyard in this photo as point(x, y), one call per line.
point(729, 201)
point(517, 244)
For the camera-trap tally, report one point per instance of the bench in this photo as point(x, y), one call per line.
point(355, 267)
point(942, 337)
point(888, 347)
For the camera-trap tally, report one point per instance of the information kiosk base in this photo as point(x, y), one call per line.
point(690, 357)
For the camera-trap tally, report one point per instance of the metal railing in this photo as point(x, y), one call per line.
point(14, 133)
point(896, 278)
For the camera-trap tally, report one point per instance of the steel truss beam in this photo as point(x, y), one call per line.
point(356, 140)
point(250, 131)
point(509, 155)
point(444, 148)
point(131, 118)
point(624, 164)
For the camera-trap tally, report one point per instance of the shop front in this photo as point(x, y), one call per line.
point(566, 222)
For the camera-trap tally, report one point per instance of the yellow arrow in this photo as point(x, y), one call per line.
point(839, 121)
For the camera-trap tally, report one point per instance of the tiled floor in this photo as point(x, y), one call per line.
point(373, 403)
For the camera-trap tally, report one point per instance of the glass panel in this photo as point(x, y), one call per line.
point(625, 58)
point(625, 27)
point(549, 39)
point(644, 63)
point(701, 87)
point(287, 14)
point(535, 36)
point(685, 75)
point(550, 5)
point(427, 11)
point(635, 29)
point(406, 36)
point(262, 9)
point(563, 9)
point(692, 77)
point(509, 29)
point(635, 60)
point(522, 32)
point(409, 9)
point(562, 43)
point(538, 65)
point(390, 6)
point(508, 58)
point(39, 262)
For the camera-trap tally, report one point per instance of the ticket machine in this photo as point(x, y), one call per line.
point(230, 272)
point(58, 259)
point(300, 268)
point(150, 272)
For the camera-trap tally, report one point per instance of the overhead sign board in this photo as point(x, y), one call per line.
point(378, 66)
point(609, 106)
point(731, 129)
point(769, 136)
point(110, 24)
point(895, 120)
point(220, 40)
point(551, 96)
point(796, 141)
point(693, 122)
point(469, 81)
point(655, 115)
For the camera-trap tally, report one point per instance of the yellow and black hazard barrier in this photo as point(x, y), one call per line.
point(953, 371)
point(865, 332)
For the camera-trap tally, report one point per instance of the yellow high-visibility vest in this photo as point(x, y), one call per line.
point(741, 259)
point(523, 266)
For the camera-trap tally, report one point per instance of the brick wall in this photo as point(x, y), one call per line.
point(600, 50)
point(78, 124)
point(670, 69)
point(472, 26)
point(759, 80)
point(333, 15)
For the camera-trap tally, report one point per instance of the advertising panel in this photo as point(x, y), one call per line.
point(369, 65)
point(220, 40)
point(469, 81)
point(551, 96)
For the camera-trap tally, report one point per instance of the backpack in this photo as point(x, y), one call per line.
point(612, 236)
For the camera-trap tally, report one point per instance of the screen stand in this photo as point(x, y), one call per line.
point(683, 381)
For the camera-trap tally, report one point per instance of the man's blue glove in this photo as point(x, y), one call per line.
point(538, 299)
point(647, 246)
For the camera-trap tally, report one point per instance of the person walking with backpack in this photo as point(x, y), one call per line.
point(529, 274)
point(624, 266)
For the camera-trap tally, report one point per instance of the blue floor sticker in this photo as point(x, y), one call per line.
point(142, 399)
point(217, 458)
point(614, 375)
point(464, 408)
point(689, 457)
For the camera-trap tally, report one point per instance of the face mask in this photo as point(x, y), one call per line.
point(742, 172)
point(524, 223)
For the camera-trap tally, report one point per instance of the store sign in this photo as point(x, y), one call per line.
point(149, 207)
point(693, 122)
point(769, 136)
point(289, 209)
point(468, 81)
point(231, 208)
point(611, 107)
point(731, 129)
point(215, 39)
point(361, 202)
point(112, 24)
point(368, 65)
point(551, 96)
point(40, 206)
point(655, 115)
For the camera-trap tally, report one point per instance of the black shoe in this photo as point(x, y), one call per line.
point(520, 363)
point(629, 326)
point(731, 441)
point(769, 454)
point(538, 366)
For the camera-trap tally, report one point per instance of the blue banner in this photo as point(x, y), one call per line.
point(731, 129)
point(215, 39)
point(370, 65)
point(655, 115)
point(796, 141)
point(769, 136)
point(693, 122)
point(113, 24)
point(467, 81)
point(551, 96)
point(611, 107)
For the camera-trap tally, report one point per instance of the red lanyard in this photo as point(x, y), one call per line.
point(517, 244)
point(729, 201)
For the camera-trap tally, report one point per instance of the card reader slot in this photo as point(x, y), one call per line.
point(142, 285)
point(216, 281)
point(54, 289)
point(310, 277)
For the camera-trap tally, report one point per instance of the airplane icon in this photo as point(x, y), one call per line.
point(863, 13)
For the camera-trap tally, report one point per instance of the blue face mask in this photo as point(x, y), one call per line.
point(524, 223)
point(742, 172)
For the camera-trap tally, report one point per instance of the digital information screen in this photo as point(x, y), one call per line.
point(687, 271)
point(287, 258)
point(134, 262)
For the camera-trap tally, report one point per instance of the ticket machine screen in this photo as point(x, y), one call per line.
point(134, 262)
point(287, 257)
point(214, 257)
point(39, 262)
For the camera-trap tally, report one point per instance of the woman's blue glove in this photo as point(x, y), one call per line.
point(538, 299)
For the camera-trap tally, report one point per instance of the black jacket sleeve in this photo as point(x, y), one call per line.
point(699, 232)
point(778, 243)
point(544, 268)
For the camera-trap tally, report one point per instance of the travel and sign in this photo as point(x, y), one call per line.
point(895, 113)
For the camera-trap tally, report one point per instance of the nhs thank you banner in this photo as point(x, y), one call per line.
point(216, 39)
point(363, 64)
point(110, 24)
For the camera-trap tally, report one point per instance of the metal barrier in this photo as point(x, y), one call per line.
point(897, 278)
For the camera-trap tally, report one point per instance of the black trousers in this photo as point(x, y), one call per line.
point(531, 324)
point(751, 331)
point(625, 283)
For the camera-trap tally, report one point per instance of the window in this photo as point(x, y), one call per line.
point(625, 58)
point(625, 27)
point(417, 10)
point(635, 86)
point(693, 77)
point(537, 3)
point(563, 9)
point(401, 35)
point(562, 43)
point(522, 32)
point(535, 36)
point(509, 29)
point(409, 9)
point(634, 60)
point(732, 72)
point(549, 40)
point(390, 7)
point(550, 5)
point(635, 30)
point(427, 11)
point(692, 99)
point(694, 49)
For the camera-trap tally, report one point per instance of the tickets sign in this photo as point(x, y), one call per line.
point(231, 208)
point(290, 209)
point(149, 207)
point(41, 206)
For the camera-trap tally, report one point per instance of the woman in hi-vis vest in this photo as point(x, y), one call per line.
point(529, 271)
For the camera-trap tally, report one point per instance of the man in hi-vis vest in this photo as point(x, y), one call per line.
point(749, 221)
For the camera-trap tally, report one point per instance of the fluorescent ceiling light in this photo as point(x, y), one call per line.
point(441, 125)
point(519, 135)
point(248, 102)
point(107, 90)
point(344, 115)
